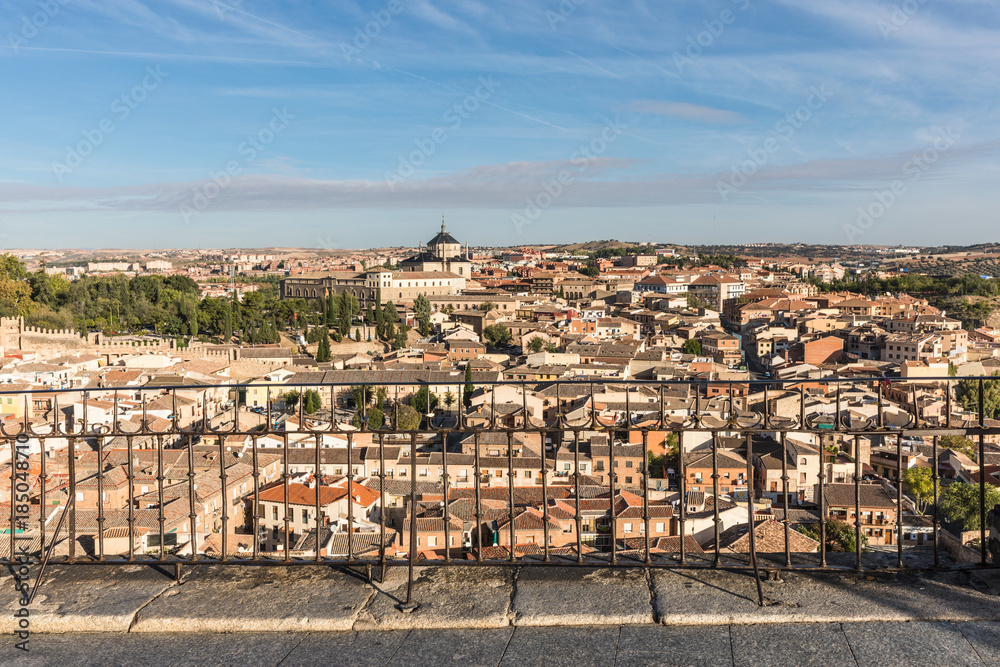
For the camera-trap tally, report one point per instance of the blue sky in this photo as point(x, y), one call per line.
point(203, 123)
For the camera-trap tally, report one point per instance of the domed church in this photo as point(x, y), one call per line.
point(443, 253)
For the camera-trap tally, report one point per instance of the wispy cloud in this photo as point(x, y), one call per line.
point(684, 110)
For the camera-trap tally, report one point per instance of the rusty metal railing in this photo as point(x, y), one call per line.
point(406, 473)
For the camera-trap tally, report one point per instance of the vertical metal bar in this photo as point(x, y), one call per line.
point(350, 498)
point(13, 502)
point(256, 498)
point(131, 500)
point(750, 511)
point(857, 502)
point(41, 503)
point(982, 475)
point(159, 491)
point(287, 547)
point(645, 493)
point(934, 479)
point(681, 491)
point(445, 487)
point(715, 498)
point(510, 491)
point(71, 460)
point(318, 478)
point(545, 498)
point(899, 500)
point(822, 500)
point(226, 503)
point(576, 491)
point(100, 498)
point(381, 504)
point(784, 485)
point(192, 499)
point(479, 499)
point(409, 605)
point(614, 492)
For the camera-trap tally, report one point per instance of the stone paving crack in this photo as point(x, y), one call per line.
point(849, 647)
point(135, 616)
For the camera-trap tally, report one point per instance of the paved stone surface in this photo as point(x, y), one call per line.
point(228, 650)
point(89, 598)
point(691, 597)
point(698, 646)
point(582, 596)
point(228, 598)
point(358, 649)
point(562, 647)
point(911, 644)
point(470, 648)
point(790, 643)
point(901, 644)
point(455, 597)
point(985, 639)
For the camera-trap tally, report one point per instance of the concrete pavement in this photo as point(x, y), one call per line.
point(888, 644)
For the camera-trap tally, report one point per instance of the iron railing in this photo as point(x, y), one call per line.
point(509, 466)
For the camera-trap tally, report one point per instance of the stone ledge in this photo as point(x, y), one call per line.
point(216, 598)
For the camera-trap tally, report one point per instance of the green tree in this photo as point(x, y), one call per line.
point(400, 340)
point(692, 346)
point(375, 418)
point(449, 399)
point(968, 395)
point(919, 483)
point(469, 388)
point(497, 335)
point(551, 347)
point(487, 306)
point(424, 400)
point(422, 309)
point(291, 399)
point(311, 401)
point(840, 536)
point(390, 316)
point(959, 502)
point(536, 344)
point(323, 351)
point(407, 418)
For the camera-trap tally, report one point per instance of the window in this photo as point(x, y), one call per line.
point(659, 527)
point(628, 480)
point(79, 496)
point(423, 472)
point(529, 539)
point(145, 489)
point(305, 516)
point(628, 464)
point(432, 541)
point(274, 512)
point(628, 528)
point(802, 478)
point(567, 467)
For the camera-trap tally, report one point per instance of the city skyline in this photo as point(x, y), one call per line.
point(243, 125)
